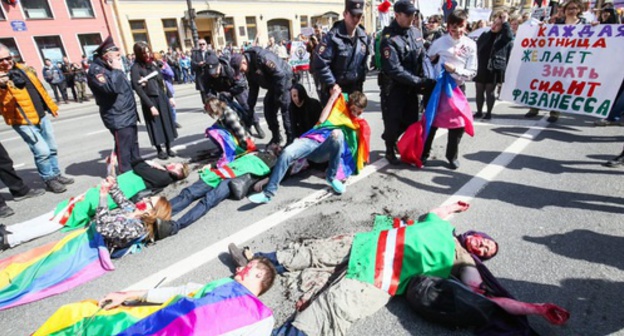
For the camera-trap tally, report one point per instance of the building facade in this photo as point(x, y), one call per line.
point(38, 29)
point(164, 23)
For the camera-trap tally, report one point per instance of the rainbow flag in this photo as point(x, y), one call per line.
point(356, 148)
point(445, 96)
point(78, 211)
point(53, 268)
point(221, 307)
point(228, 143)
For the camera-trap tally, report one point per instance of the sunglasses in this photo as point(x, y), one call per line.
point(8, 58)
point(202, 44)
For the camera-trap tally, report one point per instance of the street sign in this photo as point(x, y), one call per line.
point(18, 26)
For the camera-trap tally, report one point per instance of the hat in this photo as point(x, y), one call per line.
point(106, 46)
point(212, 63)
point(235, 62)
point(355, 7)
point(405, 7)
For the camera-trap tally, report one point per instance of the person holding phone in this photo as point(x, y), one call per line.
point(113, 94)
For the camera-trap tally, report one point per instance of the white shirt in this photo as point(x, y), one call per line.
point(462, 54)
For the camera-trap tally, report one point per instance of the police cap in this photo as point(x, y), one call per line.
point(355, 7)
point(106, 46)
point(405, 7)
point(212, 63)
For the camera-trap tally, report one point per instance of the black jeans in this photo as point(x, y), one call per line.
point(452, 145)
point(9, 177)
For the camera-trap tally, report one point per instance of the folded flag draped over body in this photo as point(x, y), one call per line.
point(78, 211)
point(356, 148)
point(228, 143)
point(221, 307)
point(447, 108)
point(53, 268)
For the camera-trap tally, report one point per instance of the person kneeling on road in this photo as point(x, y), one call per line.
point(323, 143)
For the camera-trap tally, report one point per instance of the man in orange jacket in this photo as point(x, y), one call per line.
point(23, 104)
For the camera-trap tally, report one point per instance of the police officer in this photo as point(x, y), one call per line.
point(265, 69)
point(340, 58)
point(401, 78)
point(113, 94)
point(221, 81)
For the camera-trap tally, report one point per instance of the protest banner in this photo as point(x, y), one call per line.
point(299, 56)
point(574, 69)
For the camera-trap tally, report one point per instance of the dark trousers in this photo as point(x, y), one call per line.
point(452, 145)
point(71, 85)
point(126, 147)
point(62, 87)
point(210, 197)
point(274, 101)
point(9, 176)
point(399, 109)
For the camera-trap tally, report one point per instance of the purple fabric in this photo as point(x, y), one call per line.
point(168, 76)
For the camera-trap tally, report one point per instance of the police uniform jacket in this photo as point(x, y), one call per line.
point(113, 94)
point(341, 59)
point(226, 82)
point(401, 58)
point(267, 70)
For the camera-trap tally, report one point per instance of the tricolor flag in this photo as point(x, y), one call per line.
point(356, 148)
point(221, 307)
point(53, 268)
point(446, 98)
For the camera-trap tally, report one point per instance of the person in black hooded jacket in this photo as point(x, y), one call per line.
point(304, 111)
point(493, 49)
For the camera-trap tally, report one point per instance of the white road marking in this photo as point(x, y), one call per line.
point(97, 132)
point(19, 165)
point(11, 139)
point(466, 193)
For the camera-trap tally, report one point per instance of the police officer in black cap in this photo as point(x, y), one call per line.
point(113, 94)
point(264, 69)
point(341, 56)
point(402, 77)
point(221, 81)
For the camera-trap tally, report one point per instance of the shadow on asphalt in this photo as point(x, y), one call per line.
point(597, 247)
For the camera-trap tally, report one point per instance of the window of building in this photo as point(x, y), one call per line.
point(252, 29)
point(50, 47)
point(10, 43)
point(170, 26)
point(139, 31)
point(89, 42)
point(228, 30)
point(279, 29)
point(80, 8)
point(37, 9)
point(304, 21)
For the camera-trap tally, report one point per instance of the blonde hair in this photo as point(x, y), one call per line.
point(161, 210)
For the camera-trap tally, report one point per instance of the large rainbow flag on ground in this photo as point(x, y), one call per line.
point(221, 307)
point(446, 96)
point(53, 268)
point(356, 148)
point(228, 143)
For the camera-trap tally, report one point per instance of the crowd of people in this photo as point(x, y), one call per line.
point(328, 133)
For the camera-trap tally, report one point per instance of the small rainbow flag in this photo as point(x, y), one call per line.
point(53, 268)
point(356, 148)
point(221, 307)
point(228, 143)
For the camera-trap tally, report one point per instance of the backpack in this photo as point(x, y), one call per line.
point(449, 302)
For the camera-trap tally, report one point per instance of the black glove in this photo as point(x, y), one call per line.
point(428, 85)
point(18, 78)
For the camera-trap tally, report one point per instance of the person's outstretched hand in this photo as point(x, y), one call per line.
point(554, 314)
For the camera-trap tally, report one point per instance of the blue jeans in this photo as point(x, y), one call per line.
point(210, 197)
point(40, 140)
point(330, 150)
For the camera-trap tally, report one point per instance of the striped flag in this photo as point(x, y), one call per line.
point(53, 268)
point(221, 307)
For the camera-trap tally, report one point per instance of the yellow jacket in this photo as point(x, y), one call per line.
point(11, 97)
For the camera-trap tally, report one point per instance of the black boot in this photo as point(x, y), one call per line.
point(390, 155)
point(259, 132)
point(275, 138)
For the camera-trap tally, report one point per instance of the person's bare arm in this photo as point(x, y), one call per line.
point(336, 91)
point(446, 211)
point(116, 299)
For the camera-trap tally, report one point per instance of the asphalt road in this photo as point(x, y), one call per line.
point(539, 189)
